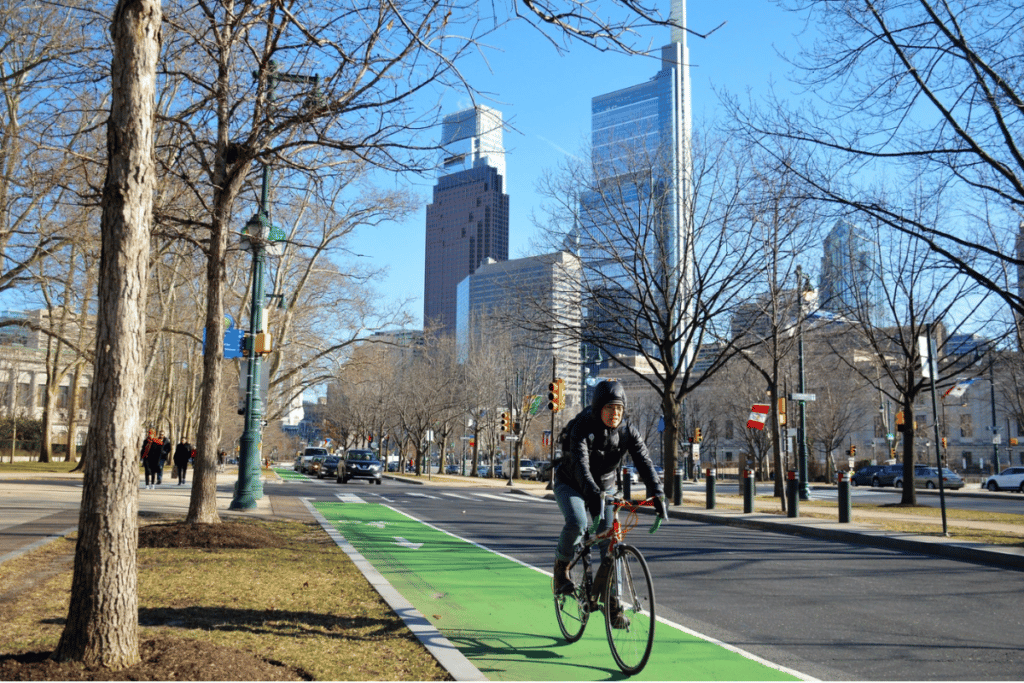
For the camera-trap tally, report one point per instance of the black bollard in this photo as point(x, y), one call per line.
point(710, 481)
point(626, 481)
point(748, 491)
point(677, 492)
point(844, 498)
point(792, 494)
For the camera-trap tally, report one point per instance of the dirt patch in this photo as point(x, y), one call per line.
point(167, 659)
point(208, 536)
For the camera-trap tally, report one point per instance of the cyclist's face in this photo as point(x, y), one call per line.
point(611, 415)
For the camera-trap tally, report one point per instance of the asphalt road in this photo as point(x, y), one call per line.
point(830, 610)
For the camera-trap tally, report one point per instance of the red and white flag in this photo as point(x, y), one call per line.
point(758, 416)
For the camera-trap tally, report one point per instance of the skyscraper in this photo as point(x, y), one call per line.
point(467, 221)
point(640, 198)
point(851, 282)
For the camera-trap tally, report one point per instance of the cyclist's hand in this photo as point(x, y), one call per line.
point(662, 510)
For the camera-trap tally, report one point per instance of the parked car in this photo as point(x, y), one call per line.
point(1010, 478)
point(394, 466)
point(297, 466)
point(888, 475)
point(329, 467)
point(527, 470)
point(928, 478)
point(865, 476)
point(451, 469)
point(360, 463)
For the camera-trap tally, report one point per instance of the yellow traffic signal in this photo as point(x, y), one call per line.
point(696, 435)
point(853, 451)
point(901, 423)
point(506, 421)
point(1014, 441)
point(782, 410)
point(943, 442)
point(556, 395)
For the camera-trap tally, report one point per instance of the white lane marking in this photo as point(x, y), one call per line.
point(518, 499)
point(399, 541)
point(421, 495)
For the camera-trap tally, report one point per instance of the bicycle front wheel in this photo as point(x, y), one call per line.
point(629, 610)
point(572, 608)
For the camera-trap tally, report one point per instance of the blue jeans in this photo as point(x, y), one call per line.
point(574, 510)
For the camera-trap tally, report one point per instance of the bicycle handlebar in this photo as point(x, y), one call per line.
point(622, 502)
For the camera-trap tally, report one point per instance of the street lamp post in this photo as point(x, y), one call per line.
point(804, 491)
point(249, 487)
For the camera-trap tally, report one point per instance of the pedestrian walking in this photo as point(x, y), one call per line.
point(182, 455)
point(165, 454)
point(151, 454)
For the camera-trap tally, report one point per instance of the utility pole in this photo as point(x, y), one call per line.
point(259, 232)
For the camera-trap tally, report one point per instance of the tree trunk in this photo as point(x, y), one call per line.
point(102, 623)
point(669, 442)
point(76, 379)
point(909, 496)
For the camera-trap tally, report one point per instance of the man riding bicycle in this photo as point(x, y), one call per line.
point(594, 445)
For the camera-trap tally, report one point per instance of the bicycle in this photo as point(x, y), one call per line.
point(628, 596)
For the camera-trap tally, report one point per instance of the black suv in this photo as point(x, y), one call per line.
point(360, 463)
point(865, 476)
point(329, 467)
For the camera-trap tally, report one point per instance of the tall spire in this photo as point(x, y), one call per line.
point(678, 16)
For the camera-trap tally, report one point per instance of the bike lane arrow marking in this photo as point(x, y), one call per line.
point(406, 544)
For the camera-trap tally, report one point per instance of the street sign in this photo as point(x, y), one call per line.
point(802, 397)
point(509, 437)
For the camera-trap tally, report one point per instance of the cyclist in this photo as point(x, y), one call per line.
point(593, 444)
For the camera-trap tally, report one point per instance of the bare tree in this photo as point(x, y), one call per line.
point(924, 294)
point(924, 94)
point(649, 292)
point(102, 622)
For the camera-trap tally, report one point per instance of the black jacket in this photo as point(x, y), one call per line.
point(593, 451)
point(182, 454)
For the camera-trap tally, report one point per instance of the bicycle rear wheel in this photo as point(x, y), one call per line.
point(630, 623)
point(572, 608)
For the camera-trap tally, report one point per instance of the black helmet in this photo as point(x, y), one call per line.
point(606, 393)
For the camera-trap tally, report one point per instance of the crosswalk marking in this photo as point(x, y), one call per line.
point(422, 495)
point(518, 499)
point(456, 495)
point(349, 498)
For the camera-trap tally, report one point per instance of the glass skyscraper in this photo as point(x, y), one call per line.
point(634, 223)
point(851, 280)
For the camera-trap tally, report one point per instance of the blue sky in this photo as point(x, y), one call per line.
point(546, 98)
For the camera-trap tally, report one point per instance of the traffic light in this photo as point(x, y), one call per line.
point(506, 421)
point(696, 435)
point(1014, 441)
point(943, 442)
point(853, 451)
point(901, 423)
point(782, 410)
point(556, 395)
point(892, 452)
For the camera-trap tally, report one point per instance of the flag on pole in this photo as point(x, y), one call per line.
point(958, 389)
point(758, 416)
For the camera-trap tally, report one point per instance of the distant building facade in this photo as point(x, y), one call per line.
point(468, 218)
point(499, 290)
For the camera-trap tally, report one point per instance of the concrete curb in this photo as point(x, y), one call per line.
point(37, 544)
point(446, 654)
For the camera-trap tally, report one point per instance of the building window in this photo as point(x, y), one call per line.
point(63, 394)
point(25, 395)
point(966, 427)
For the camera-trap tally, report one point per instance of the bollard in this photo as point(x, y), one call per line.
point(748, 491)
point(626, 481)
point(792, 494)
point(677, 492)
point(844, 498)
point(710, 481)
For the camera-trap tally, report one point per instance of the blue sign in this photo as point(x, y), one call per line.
point(661, 424)
point(233, 338)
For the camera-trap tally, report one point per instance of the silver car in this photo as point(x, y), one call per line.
point(928, 478)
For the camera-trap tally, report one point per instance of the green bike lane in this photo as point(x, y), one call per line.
point(499, 612)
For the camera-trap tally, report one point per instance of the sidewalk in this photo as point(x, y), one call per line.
point(34, 516)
